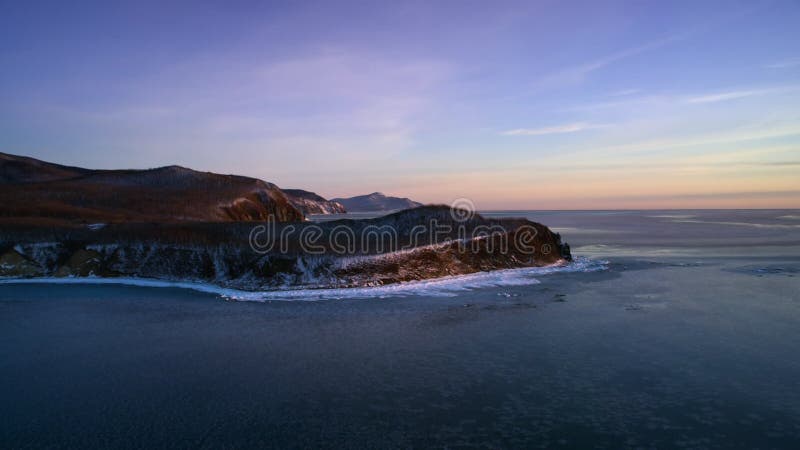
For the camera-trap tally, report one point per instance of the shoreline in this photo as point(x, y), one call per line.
point(446, 286)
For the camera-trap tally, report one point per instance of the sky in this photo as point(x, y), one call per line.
point(512, 105)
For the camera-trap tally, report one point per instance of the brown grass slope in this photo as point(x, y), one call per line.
point(21, 169)
point(36, 192)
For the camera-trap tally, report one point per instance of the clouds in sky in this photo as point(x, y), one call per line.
point(410, 99)
point(578, 73)
point(557, 129)
point(724, 96)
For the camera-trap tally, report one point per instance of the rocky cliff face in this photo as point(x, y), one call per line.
point(33, 191)
point(311, 203)
point(376, 201)
point(222, 253)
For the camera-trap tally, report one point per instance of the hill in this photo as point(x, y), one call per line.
point(376, 201)
point(33, 191)
point(342, 253)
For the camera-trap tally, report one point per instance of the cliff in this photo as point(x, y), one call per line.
point(346, 253)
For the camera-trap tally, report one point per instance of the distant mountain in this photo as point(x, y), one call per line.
point(311, 203)
point(33, 191)
point(376, 201)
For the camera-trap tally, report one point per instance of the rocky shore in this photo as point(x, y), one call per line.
point(344, 253)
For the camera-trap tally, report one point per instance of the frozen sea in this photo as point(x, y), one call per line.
point(677, 329)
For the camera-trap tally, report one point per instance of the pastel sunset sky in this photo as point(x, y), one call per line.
point(514, 105)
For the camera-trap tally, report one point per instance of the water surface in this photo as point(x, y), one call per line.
point(689, 339)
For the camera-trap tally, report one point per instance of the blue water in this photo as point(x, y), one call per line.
point(689, 338)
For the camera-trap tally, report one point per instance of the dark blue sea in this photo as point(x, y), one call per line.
point(683, 331)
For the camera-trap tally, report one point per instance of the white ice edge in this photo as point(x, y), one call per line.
point(441, 287)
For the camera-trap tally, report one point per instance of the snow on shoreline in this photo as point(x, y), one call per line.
point(439, 287)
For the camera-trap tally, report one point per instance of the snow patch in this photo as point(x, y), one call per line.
point(440, 287)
